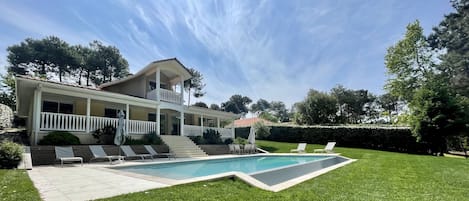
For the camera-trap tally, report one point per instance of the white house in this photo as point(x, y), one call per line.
point(152, 100)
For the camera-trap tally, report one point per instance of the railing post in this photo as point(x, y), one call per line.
point(88, 106)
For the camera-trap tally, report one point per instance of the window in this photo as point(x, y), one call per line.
point(152, 117)
point(112, 113)
point(56, 107)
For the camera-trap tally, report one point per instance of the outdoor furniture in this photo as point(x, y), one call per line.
point(65, 154)
point(98, 153)
point(129, 153)
point(237, 148)
point(249, 148)
point(231, 147)
point(327, 149)
point(153, 152)
point(300, 149)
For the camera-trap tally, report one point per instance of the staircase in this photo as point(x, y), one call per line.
point(182, 146)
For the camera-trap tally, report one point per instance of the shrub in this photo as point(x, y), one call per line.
point(240, 140)
point(197, 139)
point(228, 141)
point(380, 138)
point(152, 138)
point(212, 137)
point(105, 135)
point(59, 138)
point(10, 154)
point(262, 131)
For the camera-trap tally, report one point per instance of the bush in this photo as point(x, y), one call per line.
point(380, 138)
point(105, 135)
point(10, 154)
point(197, 139)
point(149, 138)
point(228, 141)
point(262, 131)
point(240, 140)
point(59, 138)
point(212, 137)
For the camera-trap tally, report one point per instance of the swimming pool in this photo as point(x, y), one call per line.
point(192, 169)
point(273, 172)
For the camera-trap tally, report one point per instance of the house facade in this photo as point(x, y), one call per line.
point(152, 101)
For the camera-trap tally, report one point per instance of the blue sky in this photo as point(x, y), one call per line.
point(276, 50)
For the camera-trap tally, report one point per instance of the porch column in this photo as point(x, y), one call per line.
point(127, 118)
point(202, 124)
point(158, 80)
point(88, 106)
point(182, 90)
point(37, 113)
point(233, 132)
point(218, 122)
point(158, 119)
point(182, 123)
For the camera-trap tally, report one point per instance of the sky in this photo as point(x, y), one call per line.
point(276, 50)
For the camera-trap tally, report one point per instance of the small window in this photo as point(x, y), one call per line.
point(152, 85)
point(152, 117)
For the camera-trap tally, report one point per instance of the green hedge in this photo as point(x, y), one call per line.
point(380, 138)
point(59, 138)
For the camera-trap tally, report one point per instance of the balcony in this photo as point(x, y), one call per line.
point(165, 95)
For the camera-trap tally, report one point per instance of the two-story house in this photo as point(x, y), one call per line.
point(152, 100)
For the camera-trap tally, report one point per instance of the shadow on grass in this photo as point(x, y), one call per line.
point(269, 149)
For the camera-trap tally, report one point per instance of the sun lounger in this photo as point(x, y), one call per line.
point(300, 149)
point(237, 148)
point(65, 154)
point(98, 153)
point(153, 152)
point(129, 153)
point(327, 149)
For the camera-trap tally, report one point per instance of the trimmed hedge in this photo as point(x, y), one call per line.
point(380, 138)
point(59, 138)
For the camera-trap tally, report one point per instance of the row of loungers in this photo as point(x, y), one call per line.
point(65, 154)
point(247, 149)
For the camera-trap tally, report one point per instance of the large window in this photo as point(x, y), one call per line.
point(57, 107)
point(152, 85)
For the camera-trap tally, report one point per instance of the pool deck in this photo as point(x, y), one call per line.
point(95, 180)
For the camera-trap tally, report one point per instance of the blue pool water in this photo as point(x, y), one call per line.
point(191, 169)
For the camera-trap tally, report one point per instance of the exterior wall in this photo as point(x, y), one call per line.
point(80, 107)
point(134, 87)
point(139, 113)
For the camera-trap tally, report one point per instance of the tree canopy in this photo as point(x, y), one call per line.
point(237, 104)
point(195, 83)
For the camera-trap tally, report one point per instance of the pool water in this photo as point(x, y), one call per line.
point(192, 169)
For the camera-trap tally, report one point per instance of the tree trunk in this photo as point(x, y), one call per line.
point(88, 78)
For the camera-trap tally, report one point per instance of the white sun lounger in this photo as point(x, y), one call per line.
point(65, 154)
point(300, 149)
point(98, 153)
point(153, 152)
point(129, 153)
point(328, 148)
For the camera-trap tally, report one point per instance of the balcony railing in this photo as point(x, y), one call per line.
point(165, 95)
point(77, 123)
point(191, 130)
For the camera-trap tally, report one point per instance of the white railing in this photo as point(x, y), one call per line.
point(191, 130)
point(77, 123)
point(165, 95)
point(100, 122)
point(141, 127)
point(67, 122)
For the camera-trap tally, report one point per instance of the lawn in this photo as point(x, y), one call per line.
point(377, 175)
point(16, 185)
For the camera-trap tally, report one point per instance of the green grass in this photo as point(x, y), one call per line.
point(377, 175)
point(16, 185)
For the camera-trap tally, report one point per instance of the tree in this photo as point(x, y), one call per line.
point(409, 63)
point(452, 35)
point(108, 62)
point(279, 110)
point(200, 104)
point(7, 91)
point(195, 83)
point(214, 106)
point(353, 105)
point(260, 106)
point(436, 110)
point(267, 116)
point(437, 114)
point(317, 108)
point(389, 103)
point(236, 104)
